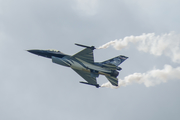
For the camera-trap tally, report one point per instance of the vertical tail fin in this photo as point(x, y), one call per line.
point(116, 60)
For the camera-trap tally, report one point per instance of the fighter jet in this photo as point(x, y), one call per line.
point(83, 64)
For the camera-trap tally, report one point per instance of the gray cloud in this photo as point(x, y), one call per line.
point(32, 87)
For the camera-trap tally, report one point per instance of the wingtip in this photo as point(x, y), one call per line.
point(92, 47)
point(98, 86)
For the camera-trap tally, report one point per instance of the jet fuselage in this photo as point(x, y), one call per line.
point(75, 63)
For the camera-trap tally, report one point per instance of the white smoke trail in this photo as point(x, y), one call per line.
point(167, 44)
point(149, 78)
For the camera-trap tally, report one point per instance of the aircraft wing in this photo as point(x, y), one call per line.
point(87, 76)
point(85, 55)
point(112, 80)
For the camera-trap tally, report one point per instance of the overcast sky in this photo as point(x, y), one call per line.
point(34, 88)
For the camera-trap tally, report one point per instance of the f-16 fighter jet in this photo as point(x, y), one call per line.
point(83, 64)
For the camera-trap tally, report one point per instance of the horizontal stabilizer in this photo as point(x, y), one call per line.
point(92, 47)
point(97, 85)
point(112, 80)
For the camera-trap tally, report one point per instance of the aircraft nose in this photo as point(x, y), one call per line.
point(37, 52)
point(43, 53)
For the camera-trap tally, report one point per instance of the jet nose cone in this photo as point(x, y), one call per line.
point(33, 51)
point(29, 51)
point(36, 52)
point(42, 53)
